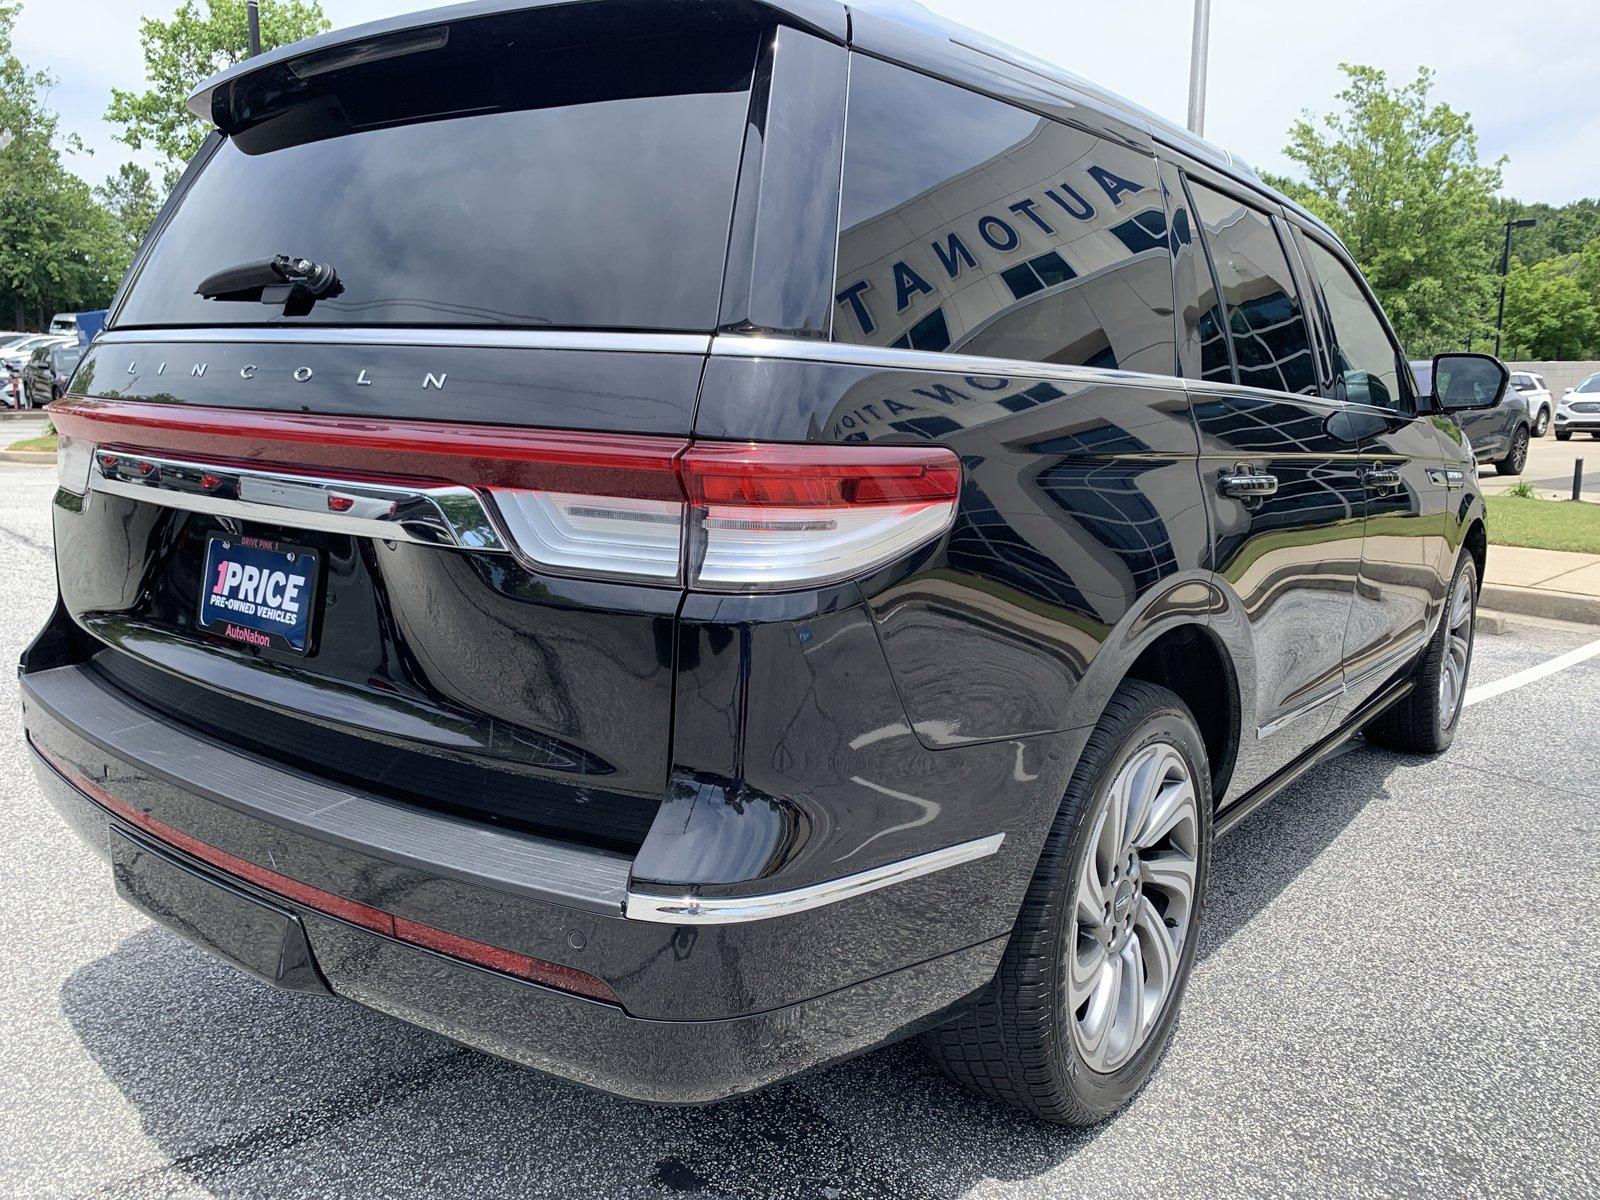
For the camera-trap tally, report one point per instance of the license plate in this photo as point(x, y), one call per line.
point(259, 592)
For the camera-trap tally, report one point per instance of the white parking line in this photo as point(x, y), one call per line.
point(1487, 691)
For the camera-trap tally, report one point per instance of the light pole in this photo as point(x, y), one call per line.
point(252, 11)
point(1505, 265)
point(1199, 50)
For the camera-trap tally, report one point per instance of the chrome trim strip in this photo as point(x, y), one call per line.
point(446, 515)
point(691, 910)
point(1272, 727)
point(734, 345)
point(1389, 661)
point(490, 338)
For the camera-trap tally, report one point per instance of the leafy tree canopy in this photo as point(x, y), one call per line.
point(59, 249)
point(1397, 176)
point(201, 39)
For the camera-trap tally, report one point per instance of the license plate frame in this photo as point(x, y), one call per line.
point(242, 601)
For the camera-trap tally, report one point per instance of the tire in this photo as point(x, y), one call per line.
point(1023, 1042)
point(1563, 435)
point(1517, 456)
point(1541, 423)
point(1425, 721)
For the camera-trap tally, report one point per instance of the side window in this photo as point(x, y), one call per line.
point(1366, 368)
point(1270, 339)
point(972, 226)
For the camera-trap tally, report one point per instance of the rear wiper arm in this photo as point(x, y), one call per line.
point(295, 283)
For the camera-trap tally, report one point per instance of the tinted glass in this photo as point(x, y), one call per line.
point(1268, 330)
point(591, 185)
point(972, 226)
point(1591, 384)
point(1365, 366)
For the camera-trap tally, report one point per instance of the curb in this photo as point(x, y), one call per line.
point(34, 457)
point(7, 413)
point(1539, 602)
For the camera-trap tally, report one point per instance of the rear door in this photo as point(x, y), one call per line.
point(1291, 556)
point(1408, 484)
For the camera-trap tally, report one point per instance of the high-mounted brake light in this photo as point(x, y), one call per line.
point(713, 516)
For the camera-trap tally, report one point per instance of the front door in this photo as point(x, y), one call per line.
point(1405, 478)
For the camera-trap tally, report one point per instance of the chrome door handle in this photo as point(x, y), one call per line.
point(1248, 486)
point(1383, 477)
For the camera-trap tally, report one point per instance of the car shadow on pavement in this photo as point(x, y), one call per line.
point(251, 1092)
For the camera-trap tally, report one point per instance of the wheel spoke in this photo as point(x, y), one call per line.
point(1084, 970)
point(1100, 1016)
point(1131, 1003)
point(1171, 873)
point(1172, 804)
point(1160, 953)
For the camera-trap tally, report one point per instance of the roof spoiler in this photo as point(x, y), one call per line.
point(238, 96)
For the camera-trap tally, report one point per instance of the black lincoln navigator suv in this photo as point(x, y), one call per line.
point(679, 541)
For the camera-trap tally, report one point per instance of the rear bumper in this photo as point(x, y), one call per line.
point(692, 1032)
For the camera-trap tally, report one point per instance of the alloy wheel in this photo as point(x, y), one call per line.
point(1519, 452)
point(1457, 650)
point(1542, 424)
point(1132, 911)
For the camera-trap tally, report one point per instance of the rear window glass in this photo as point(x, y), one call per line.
point(509, 175)
point(972, 226)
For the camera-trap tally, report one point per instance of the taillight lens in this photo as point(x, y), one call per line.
point(768, 517)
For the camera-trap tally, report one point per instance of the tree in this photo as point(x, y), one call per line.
point(59, 249)
point(1398, 178)
point(130, 198)
point(183, 53)
point(1550, 311)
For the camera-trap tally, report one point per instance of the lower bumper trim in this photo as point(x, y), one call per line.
point(698, 910)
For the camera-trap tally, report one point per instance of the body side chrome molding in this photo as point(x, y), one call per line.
point(1272, 727)
point(692, 910)
point(489, 339)
point(443, 515)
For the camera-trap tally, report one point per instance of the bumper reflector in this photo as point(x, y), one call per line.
point(479, 954)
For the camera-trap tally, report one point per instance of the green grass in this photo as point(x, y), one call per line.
point(1544, 524)
point(47, 444)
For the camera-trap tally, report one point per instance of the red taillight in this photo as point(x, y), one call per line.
point(817, 476)
point(496, 958)
point(715, 516)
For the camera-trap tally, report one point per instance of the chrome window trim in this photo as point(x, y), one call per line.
point(889, 357)
point(489, 339)
point(692, 910)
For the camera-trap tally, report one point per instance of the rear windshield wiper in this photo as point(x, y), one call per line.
point(295, 283)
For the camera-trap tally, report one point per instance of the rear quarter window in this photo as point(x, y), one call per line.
point(971, 226)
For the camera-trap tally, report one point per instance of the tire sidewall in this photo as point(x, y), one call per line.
point(1444, 734)
point(1171, 723)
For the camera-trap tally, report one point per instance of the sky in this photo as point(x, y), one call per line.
point(1525, 71)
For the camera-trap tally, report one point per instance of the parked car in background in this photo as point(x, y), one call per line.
point(678, 637)
point(1579, 410)
point(1541, 404)
point(80, 326)
point(16, 355)
point(1499, 434)
point(45, 376)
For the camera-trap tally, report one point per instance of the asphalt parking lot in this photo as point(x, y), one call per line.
point(1398, 993)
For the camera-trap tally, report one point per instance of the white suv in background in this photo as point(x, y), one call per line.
point(1541, 405)
point(1579, 411)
